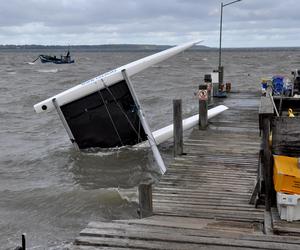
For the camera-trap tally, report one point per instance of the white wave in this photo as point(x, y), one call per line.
point(129, 195)
point(103, 152)
point(48, 70)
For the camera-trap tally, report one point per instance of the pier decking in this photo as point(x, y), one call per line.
point(202, 202)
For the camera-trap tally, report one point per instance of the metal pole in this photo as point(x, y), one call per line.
point(220, 69)
point(145, 125)
point(220, 44)
point(65, 124)
point(231, 2)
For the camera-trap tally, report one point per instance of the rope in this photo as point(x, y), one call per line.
point(112, 121)
point(124, 113)
point(36, 59)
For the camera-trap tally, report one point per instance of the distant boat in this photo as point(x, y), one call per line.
point(57, 60)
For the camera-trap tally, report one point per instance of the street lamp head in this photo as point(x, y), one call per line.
point(223, 5)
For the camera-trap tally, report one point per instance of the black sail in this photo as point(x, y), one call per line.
point(106, 118)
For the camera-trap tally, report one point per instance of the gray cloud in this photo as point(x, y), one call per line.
point(246, 23)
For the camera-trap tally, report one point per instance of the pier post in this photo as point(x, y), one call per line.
point(267, 162)
point(177, 127)
point(202, 95)
point(266, 112)
point(208, 82)
point(145, 200)
point(23, 241)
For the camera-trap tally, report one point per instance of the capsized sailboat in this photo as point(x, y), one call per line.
point(105, 112)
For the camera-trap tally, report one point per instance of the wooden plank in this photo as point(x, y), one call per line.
point(206, 192)
point(97, 248)
point(197, 226)
point(226, 204)
point(208, 213)
point(218, 198)
point(266, 106)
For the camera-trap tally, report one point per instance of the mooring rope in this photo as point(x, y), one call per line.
point(36, 59)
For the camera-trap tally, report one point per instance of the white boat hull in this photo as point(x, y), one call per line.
point(164, 134)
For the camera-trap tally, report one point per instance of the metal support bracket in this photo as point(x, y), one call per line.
point(65, 124)
point(145, 125)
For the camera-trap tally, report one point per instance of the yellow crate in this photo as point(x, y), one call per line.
point(286, 174)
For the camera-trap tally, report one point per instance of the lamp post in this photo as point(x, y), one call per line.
point(220, 68)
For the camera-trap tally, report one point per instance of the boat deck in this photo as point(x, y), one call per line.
point(202, 202)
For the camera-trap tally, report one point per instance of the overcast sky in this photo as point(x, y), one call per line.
point(249, 23)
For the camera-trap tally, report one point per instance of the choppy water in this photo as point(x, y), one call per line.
point(47, 189)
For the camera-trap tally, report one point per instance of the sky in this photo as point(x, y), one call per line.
point(248, 23)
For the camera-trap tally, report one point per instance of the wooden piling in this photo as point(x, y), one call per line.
point(145, 200)
point(267, 162)
point(177, 126)
point(23, 241)
point(202, 95)
point(266, 112)
point(208, 82)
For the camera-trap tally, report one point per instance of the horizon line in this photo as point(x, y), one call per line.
point(137, 44)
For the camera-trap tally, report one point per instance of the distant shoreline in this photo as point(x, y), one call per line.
point(125, 48)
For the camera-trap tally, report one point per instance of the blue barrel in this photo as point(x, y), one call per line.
point(277, 82)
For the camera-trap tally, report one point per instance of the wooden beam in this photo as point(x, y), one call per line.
point(203, 98)
point(178, 130)
point(145, 200)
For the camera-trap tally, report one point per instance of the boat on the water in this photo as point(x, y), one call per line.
point(104, 112)
point(57, 60)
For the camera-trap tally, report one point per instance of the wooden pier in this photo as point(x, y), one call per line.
point(202, 202)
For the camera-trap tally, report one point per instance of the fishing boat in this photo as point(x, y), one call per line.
point(57, 60)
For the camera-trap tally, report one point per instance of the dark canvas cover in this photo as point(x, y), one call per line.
point(106, 118)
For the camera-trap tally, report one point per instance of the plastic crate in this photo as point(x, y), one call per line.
point(288, 206)
point(286, 174)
